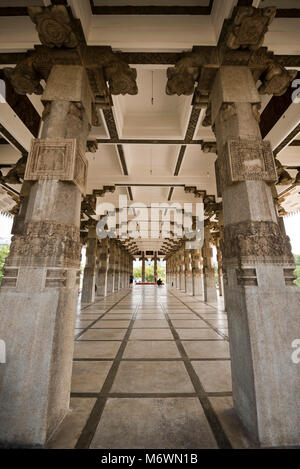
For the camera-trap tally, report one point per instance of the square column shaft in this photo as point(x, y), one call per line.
point(89, 275)
point(262, 302)
point(38, 295)
point(103, 267)
point(209, 281)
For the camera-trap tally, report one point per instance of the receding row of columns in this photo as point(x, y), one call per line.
point(108, 267)
point(192, 270)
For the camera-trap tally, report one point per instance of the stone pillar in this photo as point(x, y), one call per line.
point(262, 302)
point(181, 267)
point(40, 285)
point(210, 291)
point(89, 275)
point(219, 260)
point(143, 267)
point(103, 267)
point(155, 267)
point(197, 272)
point(117, 268)
point(178, 269)
point(188, 272)
point(111, 267)
point(18, 226)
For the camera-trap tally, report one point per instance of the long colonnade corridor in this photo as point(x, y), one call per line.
point(151, 370)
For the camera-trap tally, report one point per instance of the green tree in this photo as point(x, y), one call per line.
point(4, 250)
point(297, 270)
point(149, 272)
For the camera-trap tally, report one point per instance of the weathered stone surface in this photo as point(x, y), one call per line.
point(53, 25)
point(39, 292)
point(257, 286)
point(25, 78)
point(276, 79)
point(258, 241)
point(56, 159)
point(249, 26)
point(69, 84)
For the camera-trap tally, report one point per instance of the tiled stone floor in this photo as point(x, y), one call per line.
point(151, 370)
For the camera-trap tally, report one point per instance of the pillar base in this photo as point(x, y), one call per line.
point(37, 325)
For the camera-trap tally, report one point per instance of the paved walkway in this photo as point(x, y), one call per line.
point(151, 370)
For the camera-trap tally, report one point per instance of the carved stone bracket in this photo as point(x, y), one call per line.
point(25, 79)
point(209, 147)
point(249, 26)
point(57, 159)
point(102, 192)
point(276, 79)
point(53, 25)
point(91, 146)
point(188, 70)
point(16, 174)
point(107, 71)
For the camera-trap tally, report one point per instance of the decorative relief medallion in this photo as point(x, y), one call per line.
point(250, 160)
point(56, 159)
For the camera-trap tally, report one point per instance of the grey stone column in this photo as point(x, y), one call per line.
point(111, 267)
point(178, 269)
point(40, 285)
point(188, 272)
point(210, 290)
point(89, 275)
point(155, 267)
point(181, 267)
point(18, 227)
point(117, 268)
point(143, 267)
point(103, 267)
point(197, 272)
point(262, 302)
point(220, 270)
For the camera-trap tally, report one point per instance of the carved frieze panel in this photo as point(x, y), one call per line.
point(46, 244)
point(57, 159)
point(259, 241)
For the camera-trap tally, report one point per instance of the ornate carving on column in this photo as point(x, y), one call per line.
point(259, 241)
point(24, 78)
point(108, 74)
point(53, 25)
point(209, 147)
point(262, 303)
point(276, 79)
point(249, 26)
point(188, 71)
point(246, 160)
point(57, 159)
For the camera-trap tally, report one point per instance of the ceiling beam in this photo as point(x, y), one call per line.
point(151, 9)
